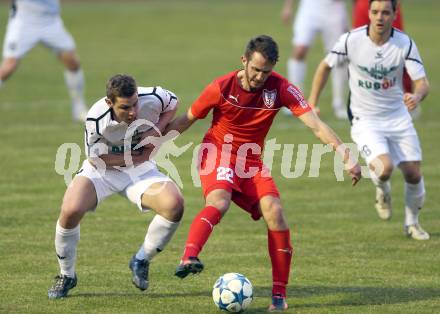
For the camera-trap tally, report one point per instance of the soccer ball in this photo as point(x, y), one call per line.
point(232, 292)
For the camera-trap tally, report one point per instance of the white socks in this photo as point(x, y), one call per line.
point(296, 72)
point(66, 241)
point(414, 199)
point(75, 86)
point(1, 83)
point(385, 186)
point(159, 233)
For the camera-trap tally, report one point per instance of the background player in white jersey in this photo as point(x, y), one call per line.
point(38, 21)
point(107, 171)
point(329, 18)
point(379, 109)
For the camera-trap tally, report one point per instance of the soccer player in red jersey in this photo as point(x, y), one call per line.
point(244, 104)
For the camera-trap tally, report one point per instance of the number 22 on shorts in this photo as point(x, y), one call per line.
point(225, 174)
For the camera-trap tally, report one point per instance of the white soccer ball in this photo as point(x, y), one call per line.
point(232, 292)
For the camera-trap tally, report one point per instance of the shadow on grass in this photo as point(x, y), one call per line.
point(354, 296)
point(301, 297)
point(103, 294)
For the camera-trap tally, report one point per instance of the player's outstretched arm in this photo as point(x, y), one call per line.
point(421, 89)
point(328, 136)
point(319, 80)
point(181, 123)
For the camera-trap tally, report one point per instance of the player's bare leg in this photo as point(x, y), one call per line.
point(166, 200)
point(7, 68)
point(79, 198)
point(414, 199)
point(74, 78)
point(381, 169)
point(280, 249)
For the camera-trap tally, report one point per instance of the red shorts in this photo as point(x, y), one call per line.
point(249, 180)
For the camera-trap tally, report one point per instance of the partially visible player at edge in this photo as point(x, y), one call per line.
point(107, 129)
point(244, 104)
point(39, 21)
point(379, 109)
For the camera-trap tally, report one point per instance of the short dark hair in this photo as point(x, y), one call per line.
point(121, 85)
point(393, 3)
point(265, 45)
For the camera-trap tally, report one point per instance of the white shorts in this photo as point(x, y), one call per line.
point(395, 137)
point(329, 19)
point(131, 183)
point(23, 33)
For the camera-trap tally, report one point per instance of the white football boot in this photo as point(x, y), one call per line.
point(416, 232)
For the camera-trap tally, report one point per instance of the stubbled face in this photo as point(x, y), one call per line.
point(256, 71)
point(125, 109)
point(381, 17)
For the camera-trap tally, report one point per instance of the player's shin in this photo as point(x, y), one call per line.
point(159, 233)
point(75, 85)
point(281, 252)
point(200, 230)
point(384, 186)
point(296, 72)
point(414, 199)
point(66, 241)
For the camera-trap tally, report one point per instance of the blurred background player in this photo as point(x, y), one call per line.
point(328, 17)
point(360, 18)
point(105, 172)
point(38, 21)
point(379, 108)
point(244, 104)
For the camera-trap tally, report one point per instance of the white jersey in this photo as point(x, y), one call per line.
point(102, 128)
point(375, 72)
point(36, 7)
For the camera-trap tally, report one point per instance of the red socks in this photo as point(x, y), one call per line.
point(200, 230)
point(281, 252)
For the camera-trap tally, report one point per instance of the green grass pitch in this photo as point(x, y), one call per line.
point(346, 261)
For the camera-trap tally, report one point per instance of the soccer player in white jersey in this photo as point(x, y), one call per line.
point(329, 18)
point(106, 171)
point(379, 109)
point(38, 21)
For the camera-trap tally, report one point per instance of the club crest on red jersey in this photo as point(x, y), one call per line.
point(269, 97)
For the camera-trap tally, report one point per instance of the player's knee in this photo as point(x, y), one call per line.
point(8, 67)
point(300, 53)
point(386, 172)
point(221, 204)
point(70, 61)
point(413, 177)
point(71, 214)
point(171, 207)
point(274, 216)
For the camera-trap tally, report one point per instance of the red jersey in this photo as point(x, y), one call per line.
point(246, 115)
